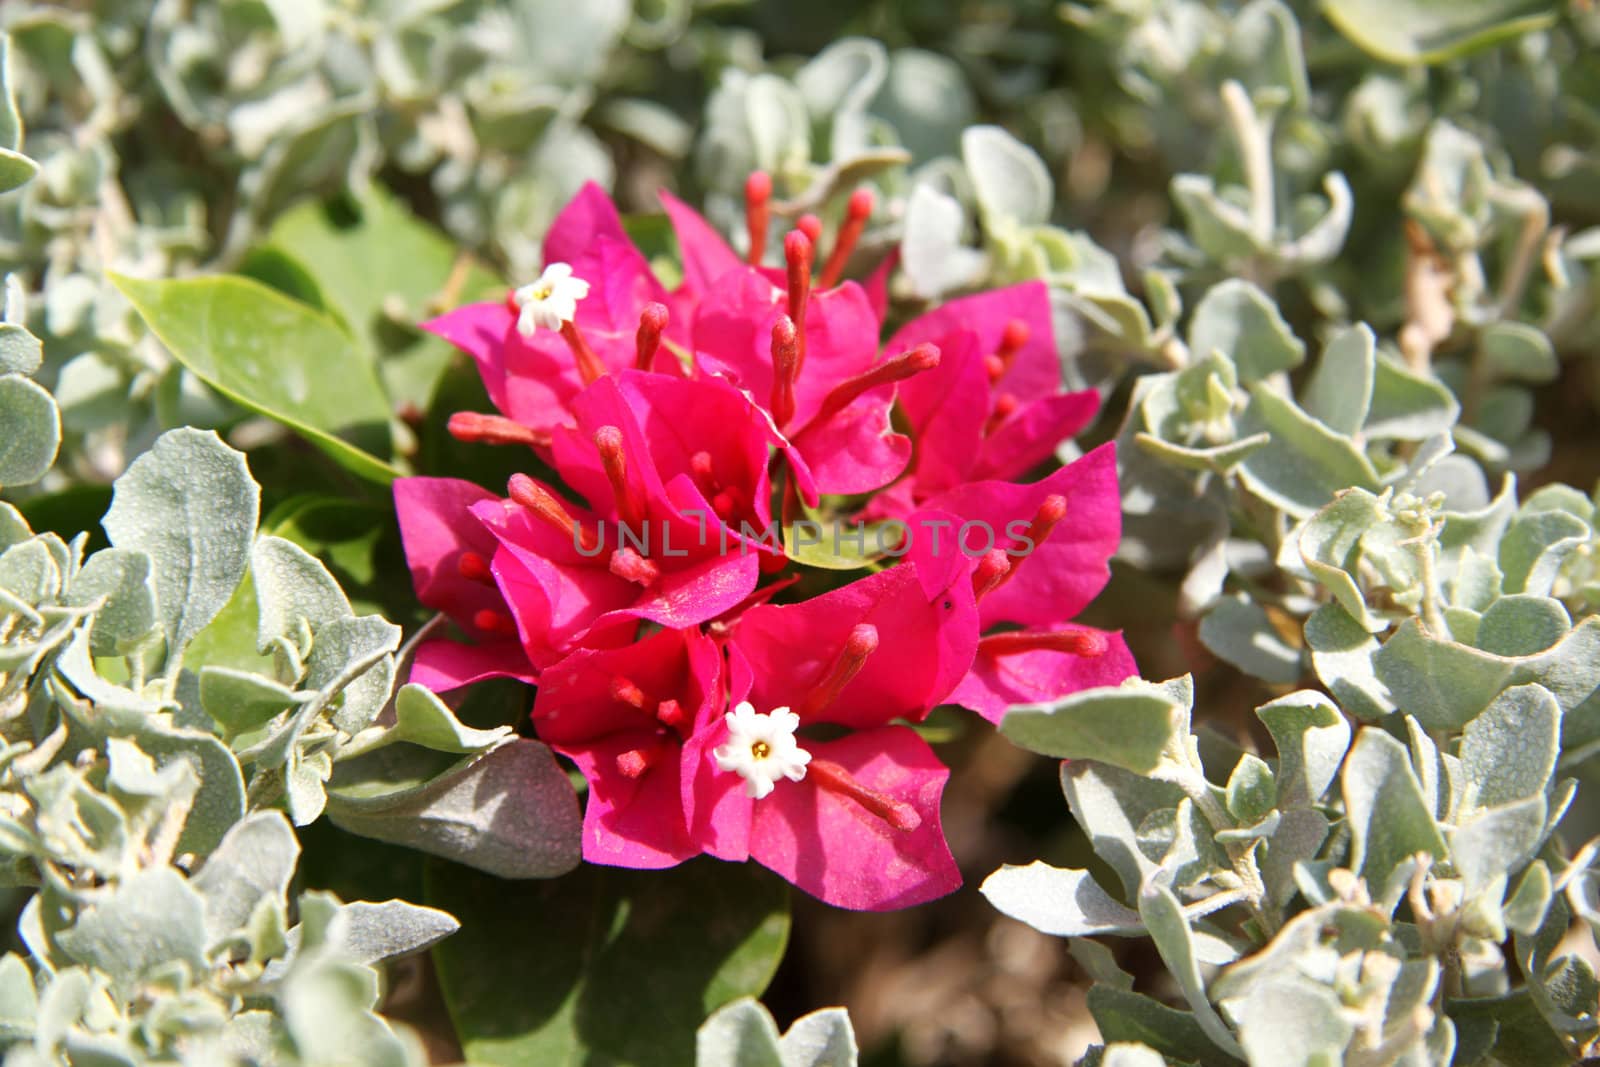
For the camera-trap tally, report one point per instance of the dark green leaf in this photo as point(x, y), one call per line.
point(606, 965)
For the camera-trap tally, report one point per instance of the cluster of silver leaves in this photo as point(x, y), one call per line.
point(1397, 882)
point(165, 702)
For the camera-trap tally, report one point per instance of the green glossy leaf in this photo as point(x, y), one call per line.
point(382, 271)
point(613, 947)
point(276, 357)
point(1432, 31)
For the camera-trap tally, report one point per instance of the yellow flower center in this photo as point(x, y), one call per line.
point(760, 750)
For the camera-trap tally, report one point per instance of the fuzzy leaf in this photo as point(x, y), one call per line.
point(30, 431)
point(1509, 752)
point(1169, 929)
point(191, 506)
point(1516, 350)
point(1125, 726)
point(742, 1034)
point(1495, 842)
point(1389, 818)
point(123, 577)
point(1240, 321)
point(1407, 406)
point(510, 812)
point(1340, 390)
point(292, 586)
point(1311, 737)
point(1063, 902)
point(1307, 463)
point(1240, 632)
point(152, 920)
point(1009, 178)
point(423, 719)
point(1111, 805)
point(254, 862)
point(932, 253)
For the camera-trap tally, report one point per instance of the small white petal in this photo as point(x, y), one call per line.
point(762, 748)
point(550, 301)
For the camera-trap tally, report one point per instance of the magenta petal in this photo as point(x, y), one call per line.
point(706, 256)
point(733, 337)
point(442, 665)
point(480, 331)
point(947, 408)
point(1056, 579)
point(1030, 436)
point(631, 822)
point(687, 596)
point(721, 812)
point(679, 418)
point(1035, 369)
point(588, 234)
point(555, 594)
point(925, 646)
point(857, 450)
point(837, 851)
point(998, 682)
point(841, 342)
point(877, 284)
point(437, 528)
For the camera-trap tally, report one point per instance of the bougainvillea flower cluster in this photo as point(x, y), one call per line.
point(650, 590)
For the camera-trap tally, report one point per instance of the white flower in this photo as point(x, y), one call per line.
point(550, 301)
point(761, 748)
